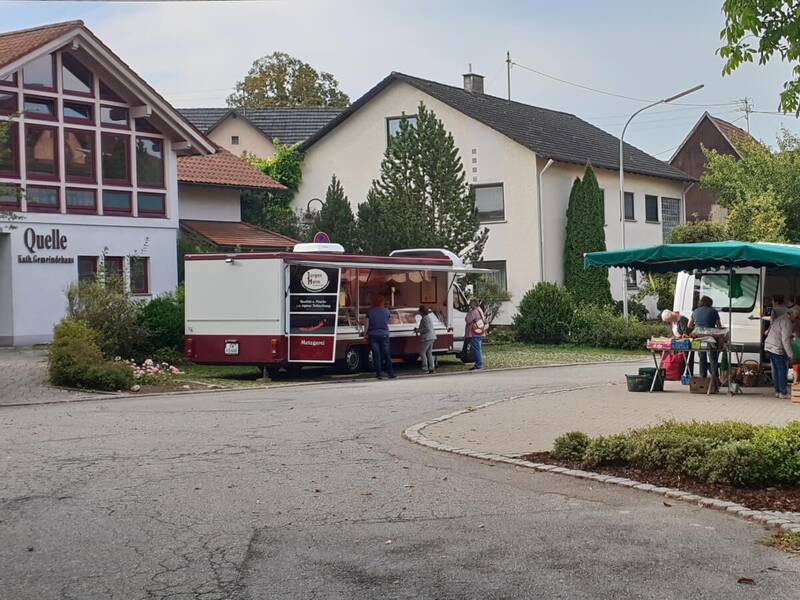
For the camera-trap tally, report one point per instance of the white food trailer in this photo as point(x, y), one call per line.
point(308, 307)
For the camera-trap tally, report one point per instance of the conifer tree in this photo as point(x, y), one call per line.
point(421, 198)
point(585, 233)
point(336, 217)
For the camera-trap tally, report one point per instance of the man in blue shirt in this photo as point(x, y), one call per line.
point(378, 334)
point(705, 315)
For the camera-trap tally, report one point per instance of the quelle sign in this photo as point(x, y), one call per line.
point(36, 242)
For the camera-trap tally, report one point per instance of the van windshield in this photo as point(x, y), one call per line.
point(743, 294)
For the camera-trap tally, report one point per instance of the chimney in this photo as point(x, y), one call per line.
point(473, 82)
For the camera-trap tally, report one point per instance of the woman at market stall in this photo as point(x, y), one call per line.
point(680, 329)
point(778, 346)
point(427, 337)
point(705, 315)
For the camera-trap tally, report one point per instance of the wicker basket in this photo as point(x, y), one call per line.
point(749, 373)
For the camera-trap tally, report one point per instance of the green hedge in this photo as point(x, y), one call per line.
point(729, 452)
point(545, 314)
point(75, 360)
point(601, 327)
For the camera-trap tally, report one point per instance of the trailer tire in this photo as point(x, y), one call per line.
point(411, 359)
point(354, 360)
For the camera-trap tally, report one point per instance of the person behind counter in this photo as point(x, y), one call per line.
point(378, 334)
point(476, 328)
point(680, 329)
point(427, 337)
point(779, 347)
point(705, 315)
point(778, 307)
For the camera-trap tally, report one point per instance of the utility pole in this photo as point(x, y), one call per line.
point(508, 73)
point(747, 107)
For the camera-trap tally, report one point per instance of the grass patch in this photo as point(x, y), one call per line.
point(224, 375)
point(531, 355)
point(788, 542)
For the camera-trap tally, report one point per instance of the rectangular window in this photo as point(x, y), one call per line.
point(116, 159)
point(8, 103)
point(489, 202)
point(40, 73)
point(78, 112)
point(42, 199)
point(393, 125)
point(79, 155)
point(744, 291)
point(114, 270)
point(499, 271)
point(9, 152)
point(631, 279)
point(40, 151)
point(9, 197)
point(87, 268)
point(39, 108)
point(114, 116)
point(139, 279)
point(116, 203)
point(76, 79)
point(81, 201)
point(651, 209)
point(149, 162)
point(630, 215)
point(234, 140)
point(150, 205)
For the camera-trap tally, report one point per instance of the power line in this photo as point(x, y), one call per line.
point(612, 94)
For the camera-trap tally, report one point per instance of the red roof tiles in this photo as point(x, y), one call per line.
point(234, 234)
point(223, 169)
point(16, 44)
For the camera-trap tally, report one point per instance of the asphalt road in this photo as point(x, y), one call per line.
point(309, 492)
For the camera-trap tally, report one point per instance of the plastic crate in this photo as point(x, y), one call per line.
point(639, 383)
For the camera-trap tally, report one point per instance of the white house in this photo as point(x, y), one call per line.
point(89, 171)
point(522, 161)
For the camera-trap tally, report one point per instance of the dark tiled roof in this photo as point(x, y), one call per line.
point(287, 124)
point(16, 44)
point(550, 133)
point(223, 169)
point(233, 234)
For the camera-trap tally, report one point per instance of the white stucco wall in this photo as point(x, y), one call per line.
point(353, 151)
point(6, 296)
point(201, 203)
point(250, 138)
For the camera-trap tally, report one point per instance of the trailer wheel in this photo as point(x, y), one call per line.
point(411, 359)
point(354, 360)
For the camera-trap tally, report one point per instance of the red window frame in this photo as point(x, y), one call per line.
point(89, 121)
point(45, 208)
point(84, 259)
point(125, 127)
point(115, 260)
point(116, 212)
point(70, 92)
point(40, 116)
point(34, 86)
point(13, 137)
point(106, 93)
point(17, 204)
point(80, 178)
point(84, 210)
point(141, 290)
point(10, 92)
point(163, 168)
point(43, 176)
point(152, 213)
point(109, 181)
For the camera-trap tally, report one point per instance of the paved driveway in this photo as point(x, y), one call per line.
point(310, 492)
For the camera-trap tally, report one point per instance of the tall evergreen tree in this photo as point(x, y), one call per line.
point(585, 233)
point(336, 217)
point(422, 198)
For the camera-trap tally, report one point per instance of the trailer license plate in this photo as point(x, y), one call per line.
point(231, 348)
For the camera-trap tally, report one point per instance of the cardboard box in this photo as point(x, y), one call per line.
point(699, 385)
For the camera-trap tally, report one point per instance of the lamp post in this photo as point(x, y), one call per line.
point(308, 216)
point(622, 182)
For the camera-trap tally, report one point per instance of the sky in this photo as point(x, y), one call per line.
point(194, 52)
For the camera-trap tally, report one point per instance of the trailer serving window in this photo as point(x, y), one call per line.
point(744, 292)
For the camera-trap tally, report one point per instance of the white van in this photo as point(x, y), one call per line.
point(753, 289)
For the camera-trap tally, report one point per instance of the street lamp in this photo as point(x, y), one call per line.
point(622, 182)
point(308, 217)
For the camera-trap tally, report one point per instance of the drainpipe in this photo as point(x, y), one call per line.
point(539, 213)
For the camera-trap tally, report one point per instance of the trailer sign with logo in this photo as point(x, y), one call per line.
point(313, 313)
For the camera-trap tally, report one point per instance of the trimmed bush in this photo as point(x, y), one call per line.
point(75, 360)
point(545, 314)
point(635, 309)
point(163, 319)
point(601, 327)
point(605, 450)
point(570, 446)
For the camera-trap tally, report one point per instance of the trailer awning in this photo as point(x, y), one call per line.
point(668, 258)
point(410, 266)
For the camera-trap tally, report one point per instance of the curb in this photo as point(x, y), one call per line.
point(128, 395)
point(768, 519)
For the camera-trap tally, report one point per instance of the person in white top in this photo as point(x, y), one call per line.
point(778, 346)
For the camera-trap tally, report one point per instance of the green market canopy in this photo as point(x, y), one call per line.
point(668, 258)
